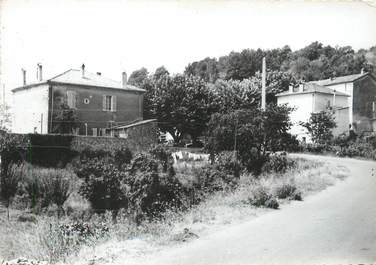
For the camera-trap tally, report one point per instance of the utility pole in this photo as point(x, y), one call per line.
point(235, 140)
point(263, 85)
point(41, 123)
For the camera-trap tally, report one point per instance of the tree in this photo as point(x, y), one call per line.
point(160, 72)
point(252, 133)
point(206, 69)
point(65, 119)
point(231, 95)
point(183, 105)
point(320, 127)
point(5, 117)
point(138, 77)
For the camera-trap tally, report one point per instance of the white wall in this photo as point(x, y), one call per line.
point(348, 89)
point(307, 103)
point(303, 104)
point(29, 105)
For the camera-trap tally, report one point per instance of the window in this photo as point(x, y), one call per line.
point(109, 103)
point(72, 99)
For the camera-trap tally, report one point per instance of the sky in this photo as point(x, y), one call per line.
point(111, 36)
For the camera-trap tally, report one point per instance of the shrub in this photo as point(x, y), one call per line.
point(320, 127)
point(150, 189)
point(272, 203)
point(288, 191)
point(164, 156)
point(278, 163)
point(360, 148)
point(122, 156)
point(227, 162)
point(251, 133)
point(13, 149)
point(223, 174)
point(210, 179)
point(102, 185)
point(262, 198)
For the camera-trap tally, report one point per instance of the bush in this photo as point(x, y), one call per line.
point(278, 163)
point(164, 156)
point(360, 148)
point(252, 132)
point(210, 179)
point(288, 191)
point(150, 189)
point(262, 198)
point(122, 157)
point(223, 174)
point(227, 162)
point(103, 185)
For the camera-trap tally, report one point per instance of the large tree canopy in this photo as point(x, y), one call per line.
point(312, 62)
point(183, 105)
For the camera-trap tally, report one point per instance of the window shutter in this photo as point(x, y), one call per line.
point(104, 102)
point(69, 98)
point(75, 99)
point(113, 107)
point(95, 131)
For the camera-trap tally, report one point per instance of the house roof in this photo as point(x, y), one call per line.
point(74, 77)
point(309, 88)
point(339, 80)
point(133, 124)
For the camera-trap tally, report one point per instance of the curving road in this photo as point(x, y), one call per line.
point(336, 226)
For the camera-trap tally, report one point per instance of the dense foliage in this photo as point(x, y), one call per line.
point(252, 133)
point(313, 62)
point(320, 127)
point(183, 104)
point(65, 119)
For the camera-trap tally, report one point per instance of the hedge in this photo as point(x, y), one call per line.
point(53, 150)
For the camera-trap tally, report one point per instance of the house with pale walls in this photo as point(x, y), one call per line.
point(312, 98)
point(102, 105)
point(361, 89)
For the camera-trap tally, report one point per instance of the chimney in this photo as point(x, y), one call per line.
point(39, 72)
point(83, 70)
point(23, 76)
point(291, 88)
point(124, 80)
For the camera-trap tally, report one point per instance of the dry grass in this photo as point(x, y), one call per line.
point(127, 239)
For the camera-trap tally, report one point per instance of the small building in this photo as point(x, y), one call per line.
point(98, 102)
point(312, 98)
point(361, 89)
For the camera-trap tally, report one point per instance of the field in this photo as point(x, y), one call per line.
point(74, 239)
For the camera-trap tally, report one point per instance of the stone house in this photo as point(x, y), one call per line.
point(99, 103)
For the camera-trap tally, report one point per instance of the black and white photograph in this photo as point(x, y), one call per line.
point(187, 132)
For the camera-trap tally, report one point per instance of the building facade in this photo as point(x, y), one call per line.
point(98, 102)
point(311, 98)
point(361, 89)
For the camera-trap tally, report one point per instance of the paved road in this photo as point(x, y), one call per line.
point(336, 226)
